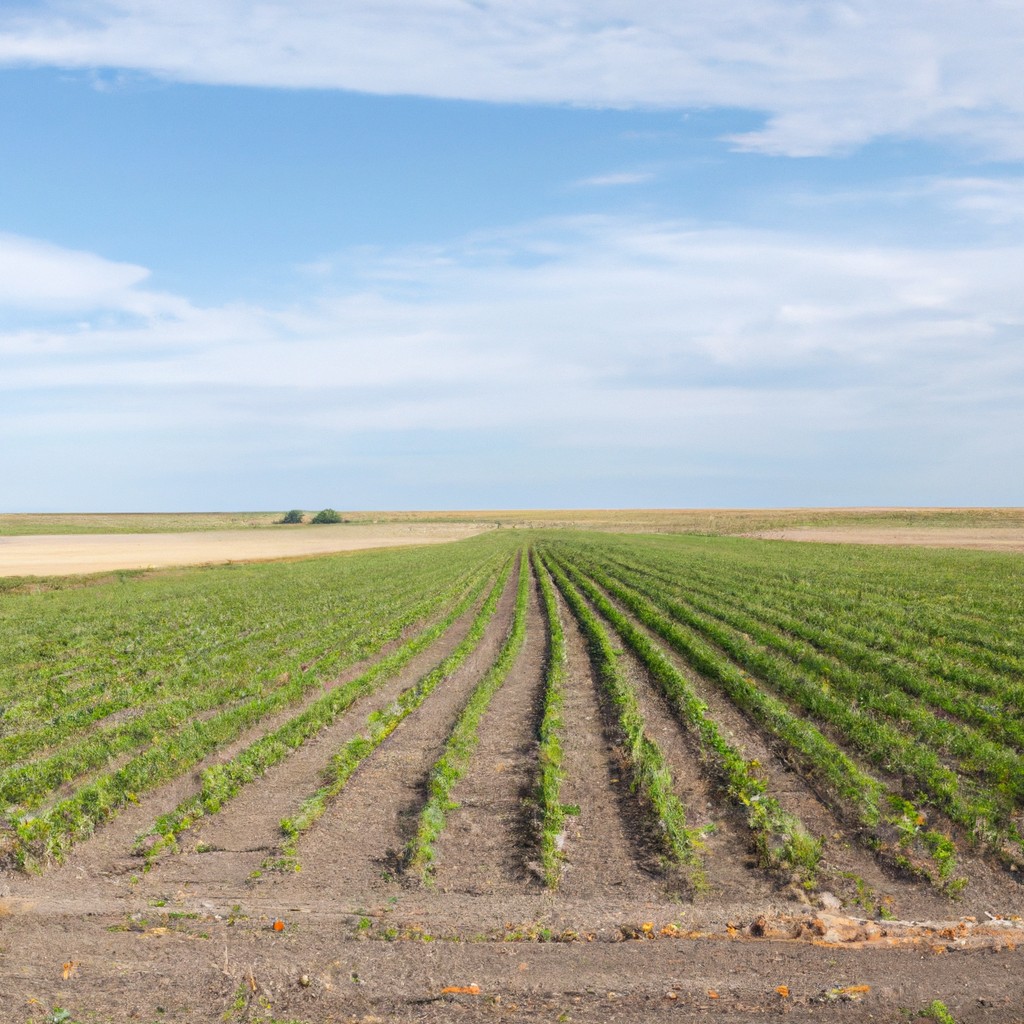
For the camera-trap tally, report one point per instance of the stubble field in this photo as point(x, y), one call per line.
point(545, 775)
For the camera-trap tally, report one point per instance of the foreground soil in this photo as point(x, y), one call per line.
point(49, 555)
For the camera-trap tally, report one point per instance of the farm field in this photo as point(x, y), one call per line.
point(631, 520)
point(562, 775)
point(76, 554)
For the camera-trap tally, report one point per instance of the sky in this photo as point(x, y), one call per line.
point(429, 254)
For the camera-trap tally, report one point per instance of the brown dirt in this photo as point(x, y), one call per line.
point(604, 859)
point(360, 942)
point(42, 555)
point(487, 843)
point(354, 850)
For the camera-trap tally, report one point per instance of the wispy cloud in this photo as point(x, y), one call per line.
point(34, 274)
point(629, 333)
point(997, 200)
point(826, 76)
point(613, 180)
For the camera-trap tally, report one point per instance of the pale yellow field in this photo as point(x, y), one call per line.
point(52, 555)
point(51, 545)
point(979, 539)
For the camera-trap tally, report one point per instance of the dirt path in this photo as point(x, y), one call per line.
point(51, 555)
point(203, 970)
point(488, 840)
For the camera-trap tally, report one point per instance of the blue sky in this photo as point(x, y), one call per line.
point(445, 254)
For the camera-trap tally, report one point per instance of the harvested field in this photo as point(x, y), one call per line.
point(971, 538)
point(47, 555)
point(783, 782)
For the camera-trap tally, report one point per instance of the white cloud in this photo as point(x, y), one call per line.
point(613, 306)
point(585, 349)
point(34, 274)
point(620, 178)
point(828, 75)
point(996, 200)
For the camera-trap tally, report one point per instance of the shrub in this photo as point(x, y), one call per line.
point(296, 515)
point(327, 515)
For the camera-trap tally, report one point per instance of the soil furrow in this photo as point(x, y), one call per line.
point(600, 842)
point(355, 849)
point(488, 840)
point(234, 842)
point(843, 862)
point(106, 858)
point(729, 872)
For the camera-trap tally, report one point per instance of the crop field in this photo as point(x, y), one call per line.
point(551, 775)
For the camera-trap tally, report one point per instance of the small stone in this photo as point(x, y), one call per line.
point(829, 901)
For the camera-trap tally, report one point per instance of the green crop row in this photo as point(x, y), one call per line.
point(36, 838)
point(884, 744)
point(161, 699)
point(550, 770)
point(853, 703)
point(986, 696)
point(920, 616)
point(959, 605)
point(855, 794)
point(967, 697)
point(379, 725)
point(92, 650)
point(28, 785)
point(650, 772)
point(222, 782)
point(458, 749)
point(779, 838)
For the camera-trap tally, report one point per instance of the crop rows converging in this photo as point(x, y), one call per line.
point(107, 692)
point(887, 684)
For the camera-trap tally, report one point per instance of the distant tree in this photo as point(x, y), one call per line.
point(327, 515)
point(296, 515)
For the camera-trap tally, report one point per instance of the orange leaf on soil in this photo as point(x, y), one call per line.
point(712, 994)
point(783, 991)
point(461, 990)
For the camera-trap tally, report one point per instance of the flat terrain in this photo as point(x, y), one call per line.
point(67, 554)
point(684, 520)
point(991, 538)
point(212, 781)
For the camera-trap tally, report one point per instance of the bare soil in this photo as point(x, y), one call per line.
point(197, 939)
point(978, 539)
point(51, 555)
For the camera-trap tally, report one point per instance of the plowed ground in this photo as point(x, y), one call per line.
point(622, 938)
